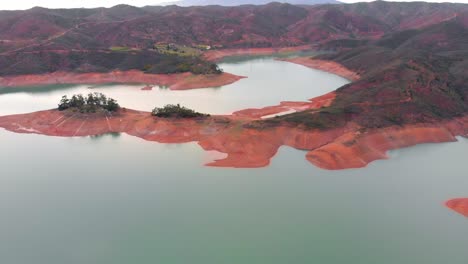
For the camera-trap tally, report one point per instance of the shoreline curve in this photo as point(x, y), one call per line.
point(180, 81)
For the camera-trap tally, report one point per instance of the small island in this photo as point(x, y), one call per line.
point(92, 103)
point(176, 111)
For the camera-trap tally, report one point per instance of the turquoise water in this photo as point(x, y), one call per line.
point(117, 199)
point(269, 82)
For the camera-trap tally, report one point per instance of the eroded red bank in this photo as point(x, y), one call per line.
point(328, 66)
point(216, 55)
point(459, 205)
point(244, 145)
point(183, 81)
point(314, 103)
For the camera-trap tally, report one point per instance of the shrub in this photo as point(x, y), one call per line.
point(176, 111)
point(92, 103)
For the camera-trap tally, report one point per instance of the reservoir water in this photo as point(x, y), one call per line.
point(269, 82)
point(117, 199)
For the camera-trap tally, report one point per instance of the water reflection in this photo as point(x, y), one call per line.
point(239, 59)
point(39, 89)
point(261, 88)
point(113, 135)
point(117, 199)
point(125, 200)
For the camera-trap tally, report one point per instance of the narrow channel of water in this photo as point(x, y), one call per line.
point(117, 199)
point(269, 82)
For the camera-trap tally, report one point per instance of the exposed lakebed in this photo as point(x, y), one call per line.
point(119, 199)
point(269, 82)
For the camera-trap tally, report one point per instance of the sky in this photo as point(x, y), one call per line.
point(25, 4)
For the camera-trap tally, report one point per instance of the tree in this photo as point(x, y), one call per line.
point(91, 104)
point(112, 105)
point(64, 103)
point(176, 111)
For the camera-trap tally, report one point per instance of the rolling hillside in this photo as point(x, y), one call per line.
point(248, 2)
point(412, 58)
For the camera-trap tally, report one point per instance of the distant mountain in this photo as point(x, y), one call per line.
point(275, 24)
point(95, 40)
point(248, 2)
point(412, 57)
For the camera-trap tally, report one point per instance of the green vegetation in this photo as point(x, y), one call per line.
point(171, 63)
point(176, 111)
point(179, 50)
point(92, 103)
point(121, 49)
point(202, 47)
point(323, 119)
point(149, 61)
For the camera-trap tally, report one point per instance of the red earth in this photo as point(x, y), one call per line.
point(234, 135)
point(216, 55)
point(459, 205)
point(314, 103)
point(438, 30)
point(246, 147)
point(269, 25)
point(323, 65)
point(182, 81)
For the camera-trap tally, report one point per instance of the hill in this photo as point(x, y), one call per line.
point(125, 37)
point(408, 62)
point(408, 77)
point(248, 2)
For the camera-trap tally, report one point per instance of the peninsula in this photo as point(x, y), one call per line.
point(408, 73)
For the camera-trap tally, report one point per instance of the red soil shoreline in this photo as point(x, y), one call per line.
point(314, 103)
point(354, 149)
point(182, 81)
point(328, 66)
point(341, 148)
point(459, 205)
point(245, 147)
point(216, 55)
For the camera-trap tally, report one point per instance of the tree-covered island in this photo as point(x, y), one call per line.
point(92, 103)
point(176, 111)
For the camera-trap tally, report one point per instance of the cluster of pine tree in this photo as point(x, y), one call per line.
point(91, 103)
point(176, 111)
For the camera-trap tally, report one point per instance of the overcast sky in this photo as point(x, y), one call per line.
point(25, 4)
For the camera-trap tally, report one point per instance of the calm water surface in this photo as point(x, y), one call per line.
point(269, 82)
point(116, 199)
